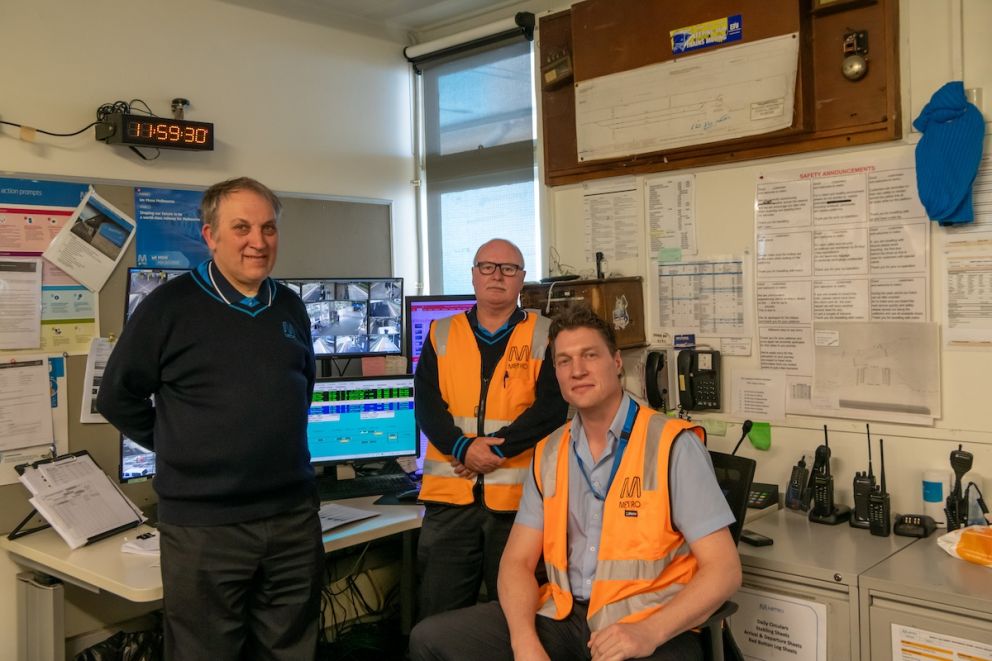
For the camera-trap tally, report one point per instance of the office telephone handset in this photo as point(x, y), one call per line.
point(656, 381)
point(699, 379)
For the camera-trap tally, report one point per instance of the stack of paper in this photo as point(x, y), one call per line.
point(78, 499)
point(143, 544)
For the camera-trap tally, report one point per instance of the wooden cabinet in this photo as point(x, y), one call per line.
point(619, 301)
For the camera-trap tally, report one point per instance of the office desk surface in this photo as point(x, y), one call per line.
point(102, 565)
point(837, 554)
point(925, 571)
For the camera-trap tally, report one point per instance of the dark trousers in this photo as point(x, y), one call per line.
point(459, 549)
point(245, 590)
point(480, 633)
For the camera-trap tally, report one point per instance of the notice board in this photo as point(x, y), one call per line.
point(598, 38)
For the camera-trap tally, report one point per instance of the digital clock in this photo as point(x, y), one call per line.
point(148, 131)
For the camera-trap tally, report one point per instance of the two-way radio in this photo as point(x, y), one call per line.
point(956, 509)
point(797, 495)
point(864, 485)
point(822, 484)
point(879, 517)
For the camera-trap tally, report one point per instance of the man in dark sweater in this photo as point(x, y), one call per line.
point(225, 352)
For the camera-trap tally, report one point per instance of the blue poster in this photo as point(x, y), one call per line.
point(169, 228)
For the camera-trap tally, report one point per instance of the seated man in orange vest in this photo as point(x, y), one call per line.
point(624, 506)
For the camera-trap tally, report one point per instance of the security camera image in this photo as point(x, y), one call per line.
point(353, 316)
point(143, 281)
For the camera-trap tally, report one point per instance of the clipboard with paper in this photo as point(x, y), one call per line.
point(73, 494)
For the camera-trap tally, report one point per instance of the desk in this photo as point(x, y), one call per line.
point(817, 563)
point(102, 567)
point(925, 588)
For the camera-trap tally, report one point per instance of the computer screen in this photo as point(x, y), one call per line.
point(137, 463)
point(362, 418)
point(352, 316)
point(141, 282)
point(420, 312)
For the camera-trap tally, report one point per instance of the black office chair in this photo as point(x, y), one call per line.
point(734, 475)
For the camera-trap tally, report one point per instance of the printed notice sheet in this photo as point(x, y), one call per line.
point(613, 220)
point(759, 394)
point(96, 362)
point(736, 91)
point(20, 304)
point(25, 403)
point(92, 242)
point(912, 644)
point(774, 627)
point(669, 205)
point(843, 242)
point(705, 297)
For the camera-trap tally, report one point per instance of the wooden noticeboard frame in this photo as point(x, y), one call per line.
point(609, 36)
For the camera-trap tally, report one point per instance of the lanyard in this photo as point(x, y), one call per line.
point(628, 426)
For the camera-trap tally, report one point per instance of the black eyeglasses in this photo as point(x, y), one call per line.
point(508, 270)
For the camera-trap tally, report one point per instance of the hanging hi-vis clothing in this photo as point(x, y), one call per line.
point(482, 406)
point(643, 561)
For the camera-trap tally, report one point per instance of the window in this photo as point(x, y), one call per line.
point(480, 178)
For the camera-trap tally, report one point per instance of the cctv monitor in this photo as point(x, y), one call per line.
point(352, 316)
point(137, 463)
point(141, 282)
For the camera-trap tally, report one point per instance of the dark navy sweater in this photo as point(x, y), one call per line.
point(231, 381)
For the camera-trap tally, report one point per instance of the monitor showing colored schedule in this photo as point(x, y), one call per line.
point(422, 310)
point(363, 418)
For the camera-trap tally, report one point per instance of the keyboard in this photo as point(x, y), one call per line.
point(365, 485)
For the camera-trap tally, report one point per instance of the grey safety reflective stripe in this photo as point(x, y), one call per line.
point(492, 424)
point(442, 328)
point(656, 425)
point(637, 570)
point(555, 577)
point(507, 476)
point(616, 610)
point(539, 339)
point(549, 462)
point(439, 468)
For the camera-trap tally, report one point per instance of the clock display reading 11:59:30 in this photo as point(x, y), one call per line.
point(150, 131)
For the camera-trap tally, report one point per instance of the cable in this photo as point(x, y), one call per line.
point(52, 133)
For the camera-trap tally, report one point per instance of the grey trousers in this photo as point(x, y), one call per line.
point(243, 591)
point(480, 633)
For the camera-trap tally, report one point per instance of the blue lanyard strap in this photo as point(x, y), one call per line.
point(628, 426)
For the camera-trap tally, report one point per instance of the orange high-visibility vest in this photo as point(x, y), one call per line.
point(511, 391)
point(643, 560)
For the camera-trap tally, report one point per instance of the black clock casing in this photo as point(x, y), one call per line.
point(163, 132)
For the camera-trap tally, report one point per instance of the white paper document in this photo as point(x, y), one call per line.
point(759, 394)
point(20, 302)
point(968, 294)
point(669, 204)
point(333, 515)
point(913, 644)
point(78, 499)
point(613, 220)
point(96, 362)
point(25, 403)
point(92, 242)
point(729, 93)
point(705, 297)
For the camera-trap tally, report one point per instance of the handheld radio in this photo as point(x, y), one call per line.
point(822, 482)
point(796, 495)
point(880, 521)
point(864, 484)
point(956, 508)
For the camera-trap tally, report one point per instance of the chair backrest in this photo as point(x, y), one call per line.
point(734, 475)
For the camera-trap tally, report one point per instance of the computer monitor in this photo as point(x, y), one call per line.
point(141, 282)
point(420, 312)
point(361, 419)
point(137, 463)
point(352, 316)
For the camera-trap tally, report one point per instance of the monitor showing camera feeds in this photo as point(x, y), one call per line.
point(353, 316)
point(137, 462)
point(142, 281)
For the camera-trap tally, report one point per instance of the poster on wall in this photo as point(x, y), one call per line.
point(169, 228)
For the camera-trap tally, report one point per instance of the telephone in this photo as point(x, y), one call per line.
point(699, 379)
point(657, 381)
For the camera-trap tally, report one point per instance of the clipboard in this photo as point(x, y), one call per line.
point(76, 498)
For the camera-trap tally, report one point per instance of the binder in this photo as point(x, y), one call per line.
point(76, 498)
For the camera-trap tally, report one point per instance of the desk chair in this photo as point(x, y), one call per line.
point(734, 475)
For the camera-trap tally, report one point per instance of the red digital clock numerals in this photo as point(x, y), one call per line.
point(167, 132)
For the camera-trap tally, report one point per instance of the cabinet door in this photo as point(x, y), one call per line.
point(933, 626)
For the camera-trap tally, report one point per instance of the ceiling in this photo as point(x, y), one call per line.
point(394, 20)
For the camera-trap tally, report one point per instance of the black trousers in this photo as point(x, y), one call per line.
point(243, 591)
point(480, 633)
point(459, 549)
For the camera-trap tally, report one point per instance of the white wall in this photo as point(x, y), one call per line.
point(932, 50)
point(303, 108)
